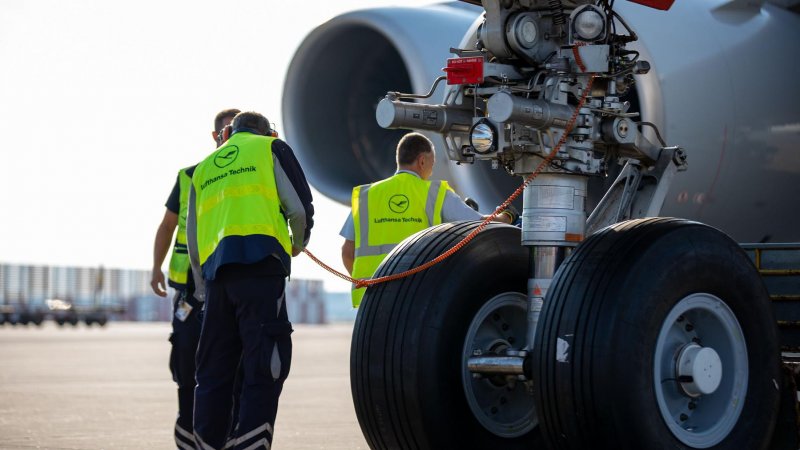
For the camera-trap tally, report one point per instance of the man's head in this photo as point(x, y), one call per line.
point(251, 122)
point(415, 153)
point(222, 119)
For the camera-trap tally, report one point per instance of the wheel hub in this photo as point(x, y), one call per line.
point(699, 370)
point(494, 386)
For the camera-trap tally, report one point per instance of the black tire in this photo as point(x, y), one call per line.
point(406, 360)
point(60, 321)
point(101, 320)
point(608, 302)
point(37, 319)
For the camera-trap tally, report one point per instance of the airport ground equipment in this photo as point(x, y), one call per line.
point(31, 294)
point(608, 327)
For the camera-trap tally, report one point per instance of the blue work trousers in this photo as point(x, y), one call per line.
point(245, 322)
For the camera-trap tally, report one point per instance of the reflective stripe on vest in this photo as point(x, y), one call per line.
point(236, 194)
point(179, 261)
point(385, 213)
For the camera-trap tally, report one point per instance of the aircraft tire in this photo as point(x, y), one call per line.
point(631, 305)
point(407, 365)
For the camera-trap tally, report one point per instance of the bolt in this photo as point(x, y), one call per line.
point(680, 319)
point(684, 417)
point(494, 410)
point(689, 327)
point(504, 327)
point(692, 405)
point(495, 317)
point(503, 400)
point(622, 128)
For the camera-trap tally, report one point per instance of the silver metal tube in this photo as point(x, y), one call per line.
point(544, 262)
point(417, 116)
point(540, 114)
point(499, 365)
point(553, 221)
point(553, 212)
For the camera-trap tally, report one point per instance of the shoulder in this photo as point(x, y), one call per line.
point(189, 171)
point(280, 146)
point(442, 184)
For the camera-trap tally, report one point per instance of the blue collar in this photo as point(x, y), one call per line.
point(410, 172)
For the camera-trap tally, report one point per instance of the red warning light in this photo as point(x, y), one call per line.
point(663, 5)
point(464, 70)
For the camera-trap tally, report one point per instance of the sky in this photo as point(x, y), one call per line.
point(101, 102)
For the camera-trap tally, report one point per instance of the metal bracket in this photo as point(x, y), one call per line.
point(638, 191)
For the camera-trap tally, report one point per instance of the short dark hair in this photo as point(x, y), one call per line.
point(252, 122)
point(222, 115)
point(411, 146)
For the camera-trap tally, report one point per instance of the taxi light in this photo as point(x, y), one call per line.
point(483, 137)
point(663, 5)
point(464, 70)
point(589, 24)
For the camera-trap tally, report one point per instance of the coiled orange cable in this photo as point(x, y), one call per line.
point(366, 282)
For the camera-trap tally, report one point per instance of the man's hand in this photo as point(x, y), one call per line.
point(296, 251)
point(158, 283)
point(509, 215)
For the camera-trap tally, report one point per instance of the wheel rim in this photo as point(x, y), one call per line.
point(504, 407)
point(700, 332)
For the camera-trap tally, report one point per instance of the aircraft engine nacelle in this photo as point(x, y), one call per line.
point(340, 72)
point(722, 85)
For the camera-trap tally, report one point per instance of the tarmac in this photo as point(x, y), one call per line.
point(110, 388)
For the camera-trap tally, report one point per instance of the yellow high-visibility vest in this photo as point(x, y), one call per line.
point(179, 261)
point(236, 194)
point(385, 213)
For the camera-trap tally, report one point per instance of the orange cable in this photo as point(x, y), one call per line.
point(366, 282)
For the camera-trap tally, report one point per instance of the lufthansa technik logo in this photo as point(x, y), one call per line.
point(226, 156)
point(398, 203)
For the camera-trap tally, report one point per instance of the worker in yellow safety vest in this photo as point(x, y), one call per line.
point(244, 200)
point(386, 212)
point(186, 309)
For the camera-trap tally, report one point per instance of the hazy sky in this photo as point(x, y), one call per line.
point(101, 102)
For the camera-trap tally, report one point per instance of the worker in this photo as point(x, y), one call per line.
point(240, 201)
point(388, 211)
point(185, 319)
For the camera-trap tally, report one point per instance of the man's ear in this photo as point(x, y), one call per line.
point(214, 135)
